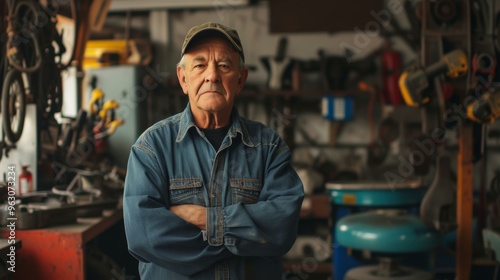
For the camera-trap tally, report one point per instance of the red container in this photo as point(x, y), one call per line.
point(25, 181)
point(391, 70)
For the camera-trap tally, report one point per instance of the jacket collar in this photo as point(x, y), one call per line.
point(237, 126)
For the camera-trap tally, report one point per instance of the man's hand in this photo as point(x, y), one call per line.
point(191, 213)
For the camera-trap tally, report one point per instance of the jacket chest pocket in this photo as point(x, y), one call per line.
point(245, 190)
point(186, 191)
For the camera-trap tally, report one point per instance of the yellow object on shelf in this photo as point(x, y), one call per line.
point(100, 53)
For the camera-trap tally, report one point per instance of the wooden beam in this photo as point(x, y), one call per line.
point(464, 202)
point(83, 31)
point(92, 15)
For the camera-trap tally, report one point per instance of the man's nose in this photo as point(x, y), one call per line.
point(212, 74)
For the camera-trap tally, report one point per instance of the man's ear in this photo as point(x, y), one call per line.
point(182, 79)
point(242, 79)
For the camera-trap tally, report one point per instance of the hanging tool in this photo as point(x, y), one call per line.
point(279, 67)
point(95, 101)
point(378, 148)
point(101, 132)
point(485, 109)
point(70, 139)
point(438, 205)
point(413, 83)
point(334, 70)
point(108, 106)
point(106, 126)
point(110, 129)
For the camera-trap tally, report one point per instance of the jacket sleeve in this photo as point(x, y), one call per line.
point(154, 234)
point(268, 227)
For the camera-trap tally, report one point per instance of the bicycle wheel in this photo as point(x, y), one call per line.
point(23, 39)
point(13, 105)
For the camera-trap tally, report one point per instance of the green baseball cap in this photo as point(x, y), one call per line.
point(230, 34)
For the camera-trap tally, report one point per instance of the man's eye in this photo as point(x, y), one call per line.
point(198, 66)
point(224, 66)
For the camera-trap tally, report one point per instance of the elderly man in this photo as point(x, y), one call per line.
point(208, 193)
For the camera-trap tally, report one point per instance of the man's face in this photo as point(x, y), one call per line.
point(211, 75)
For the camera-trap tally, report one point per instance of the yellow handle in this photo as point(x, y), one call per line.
point(108, 105)
point(113, 125)
point(96, 95)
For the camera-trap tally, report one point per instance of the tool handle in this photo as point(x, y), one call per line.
point(113, 125)
point(96, 95)
point(108, 105)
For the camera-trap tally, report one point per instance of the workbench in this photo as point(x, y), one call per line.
point(58, 253)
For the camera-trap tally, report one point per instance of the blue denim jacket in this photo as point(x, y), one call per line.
point(252, 194)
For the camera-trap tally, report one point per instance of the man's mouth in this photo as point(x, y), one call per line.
point(210, 91)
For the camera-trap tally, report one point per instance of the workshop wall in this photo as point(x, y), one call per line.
point(252, 22)
point(253, 25)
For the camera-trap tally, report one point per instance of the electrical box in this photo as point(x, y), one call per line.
point(124, 83)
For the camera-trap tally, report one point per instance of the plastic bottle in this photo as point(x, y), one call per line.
point(25, 181)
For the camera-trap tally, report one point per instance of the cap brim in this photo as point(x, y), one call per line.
point(227, 36)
